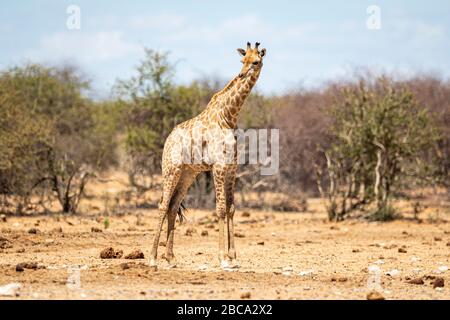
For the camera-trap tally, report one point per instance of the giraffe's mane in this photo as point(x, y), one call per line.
point(224, 90)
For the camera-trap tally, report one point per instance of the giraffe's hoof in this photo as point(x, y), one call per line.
point(224, 264)
point(172, 262)
point(152, 263)
point(235, 264)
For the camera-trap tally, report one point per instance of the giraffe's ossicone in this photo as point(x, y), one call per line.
point(207, 143)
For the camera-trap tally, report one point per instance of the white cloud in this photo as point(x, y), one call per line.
point(84, 47)
point(309, 50)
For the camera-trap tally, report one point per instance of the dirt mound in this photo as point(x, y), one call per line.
point(26, 265)
point(5, 243)
point(438, 282)
point(110, 253)
point(136, 254)
point(374, 295)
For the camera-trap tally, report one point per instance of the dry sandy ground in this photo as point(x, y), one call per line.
point(282, 256)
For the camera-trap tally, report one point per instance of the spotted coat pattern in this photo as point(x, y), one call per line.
point(220, 115)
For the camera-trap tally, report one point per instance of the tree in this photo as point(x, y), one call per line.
point(154, 105)
point(379, 134)
point(51, 132)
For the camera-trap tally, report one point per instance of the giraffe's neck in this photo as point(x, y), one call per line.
point(228, 102)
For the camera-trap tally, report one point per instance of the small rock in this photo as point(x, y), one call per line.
point(448, 244)
point(438, 282)
point(110, 253)
point(124, 266)
point(204, 233)
point(239, 235)
point(190, 231)
point(393, 273)
point(57, 230)
point(356, 250)
point(20, 267)
point(374, 295)
point(246, 214)
point(2, 218)
point(162, 243)
point(5, 243)
point(10, 290)
point(306, 272)
point(437, 239)
point(246, 295)
point(418, 281)
point(34, 231)
point(260, 243)
point(136, 254)
point(442, 269)
point(288, 269)
point(203, 267)
point(343, 279)
point(402, 250)
point(96, 230)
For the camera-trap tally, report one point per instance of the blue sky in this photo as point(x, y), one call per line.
point(307, 42)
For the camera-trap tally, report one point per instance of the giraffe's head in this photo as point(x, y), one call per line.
point(252, 59)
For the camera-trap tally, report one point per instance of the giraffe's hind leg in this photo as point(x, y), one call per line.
point(188, 176)
point(170, 183)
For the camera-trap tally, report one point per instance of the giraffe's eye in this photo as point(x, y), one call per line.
point(255, 63)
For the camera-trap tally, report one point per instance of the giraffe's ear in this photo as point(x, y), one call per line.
point(241, 52)
point(263, 52)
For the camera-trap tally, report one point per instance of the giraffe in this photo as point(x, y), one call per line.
point(220, 116)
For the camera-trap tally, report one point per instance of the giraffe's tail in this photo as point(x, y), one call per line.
point(181, 211)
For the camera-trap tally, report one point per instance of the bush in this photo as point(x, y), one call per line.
point(54, 135)
point(379, 135)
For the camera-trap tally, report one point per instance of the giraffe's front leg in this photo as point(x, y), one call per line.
point(223, 236)
point(231, 247)
point(221, 210)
